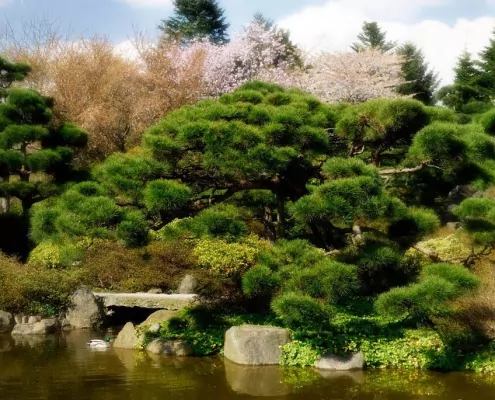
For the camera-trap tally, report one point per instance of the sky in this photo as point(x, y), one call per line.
point(441, 28)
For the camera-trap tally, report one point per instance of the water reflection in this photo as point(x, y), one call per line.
point(62, 367)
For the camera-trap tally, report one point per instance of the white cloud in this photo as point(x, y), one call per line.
point(147, 3)
point(335, 25)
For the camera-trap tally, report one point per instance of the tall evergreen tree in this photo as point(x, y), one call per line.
point(372, 37)
point(487, 65)
point(421, 81)
point(196, 19)
point(469, 85)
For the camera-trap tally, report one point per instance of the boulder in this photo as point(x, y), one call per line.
point(34, 319)
point(43, 327)
point(155, 328)
point(255, 345)
point(188, 285)
point(127, 337)
point(176, 348)
point(7, 322)
point(86, 312)
point(453, 225)
point(332, 362)
point(159, 317)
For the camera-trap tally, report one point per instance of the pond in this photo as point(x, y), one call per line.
point(62, 367)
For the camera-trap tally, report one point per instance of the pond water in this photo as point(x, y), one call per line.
point(62, 367)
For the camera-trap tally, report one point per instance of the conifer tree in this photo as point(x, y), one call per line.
point(468, 86)
point(196, 19)
point(9, 73)
point(372, 37)
point(487, 65)
point(35, 154)
point(421, 81)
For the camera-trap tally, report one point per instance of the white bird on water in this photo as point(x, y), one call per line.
point(99, 344)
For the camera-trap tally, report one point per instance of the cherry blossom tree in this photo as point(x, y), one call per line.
point(355, 77)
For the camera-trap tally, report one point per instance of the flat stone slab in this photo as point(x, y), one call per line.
point(146, 300)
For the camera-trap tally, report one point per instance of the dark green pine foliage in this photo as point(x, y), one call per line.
point(421, 81)
point(10, 73)
point(35, 154)
point(195, 19)
point(470, 85)
point(372, 37)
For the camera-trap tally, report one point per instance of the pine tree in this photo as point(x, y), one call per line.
point(372, 37)
point(469, 85)
point(487, 65)
point(10, 73)
point(421, 81)
point(35, 154)
point(196, 19)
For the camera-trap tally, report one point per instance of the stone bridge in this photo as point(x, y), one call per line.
point(145, 300)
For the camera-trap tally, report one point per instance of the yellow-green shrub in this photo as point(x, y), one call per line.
point(230, 259)
point(50, 255)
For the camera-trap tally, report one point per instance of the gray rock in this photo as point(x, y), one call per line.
point(85, 312)
point(335, 363)
point(155, 328)
point(18, 319)
point(176, 348)
point(159, 317)
point(257, 381)
point(188, 285)
point(7, 322)
point(255, 345)
point(34, 319)
point(155, 291)
point(127, 337)
point(453, 225)
point(44, 327)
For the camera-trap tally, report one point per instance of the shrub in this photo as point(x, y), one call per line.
point(34, 289)
point(488, 122)
point(164, 196)
point(111, 266)
point(328, 279)
point(298, 253)
point(476, 107)
point(50, 255)
point(260, 282)
point(228, 259)
point(223, 222)
point(438, 286)
point(301, 312)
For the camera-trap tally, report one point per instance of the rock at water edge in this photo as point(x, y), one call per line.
point(7, 322)
point(255, 345)
point(335, 363)
point(127, 337)
point(44, 327)
point(85, 312)
point(159, 317)
point(176, 348)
